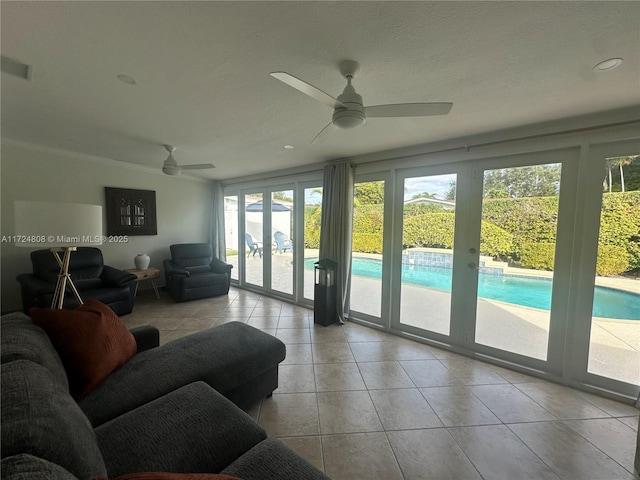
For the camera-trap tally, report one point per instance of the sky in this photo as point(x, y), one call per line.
point(437, 185)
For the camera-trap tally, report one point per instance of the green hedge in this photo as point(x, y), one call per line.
point(510, 228)
point(312, 226)
point(495, 241)
point(528, 220)
point(539, 256)
point(612, 260)
point(367, 243)
point(620, 224)
point(437, 229)
point(429, 230)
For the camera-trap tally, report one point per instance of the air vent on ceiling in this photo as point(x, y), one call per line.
point(16, 68)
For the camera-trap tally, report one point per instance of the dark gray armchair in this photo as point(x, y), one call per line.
point(193, 272)
point(93, 279)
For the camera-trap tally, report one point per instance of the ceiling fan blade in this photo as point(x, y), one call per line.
point(307, 89)
point(324, 134)
point(408, 110)
point(197, 166)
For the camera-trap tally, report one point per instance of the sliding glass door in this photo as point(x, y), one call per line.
point(476, 254)
point(367, 260)
point(233, 249)
point(253, 238)
point(515, 268)
point(282, 241)
point(310, 237)
point(606, 347)
point(428, 225)
point(614, 343)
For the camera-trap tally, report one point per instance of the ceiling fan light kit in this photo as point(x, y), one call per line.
point(348, 109)
point(171, 167)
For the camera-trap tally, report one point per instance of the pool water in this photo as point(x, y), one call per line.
point(525, 291)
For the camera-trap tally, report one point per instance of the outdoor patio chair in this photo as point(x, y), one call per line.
point(253, 245)
point(282, 242)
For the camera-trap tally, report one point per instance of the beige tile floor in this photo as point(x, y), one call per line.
point(362, 404)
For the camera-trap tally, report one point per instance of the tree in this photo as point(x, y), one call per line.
point(451, 193)
point(284, 196)
point(618, 162)
point(423, 195)
point(368, 193)
point(519, 182)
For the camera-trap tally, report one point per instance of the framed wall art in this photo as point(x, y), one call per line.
point(131, 212)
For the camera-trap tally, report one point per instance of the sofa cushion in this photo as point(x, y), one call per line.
point(91, 340)
point(205, 280)
point(173, 476)
point(198, 269)
point(191, 254)
point(225, 357)
point(84, 263)
point(273, 459)
point(106, 295)
point(28, 467)
point(21, 339)
point(83, 282)
point(192, 429)
point(40, 418)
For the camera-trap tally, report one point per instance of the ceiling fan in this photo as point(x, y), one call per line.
point(348, 111)
point(171, 167)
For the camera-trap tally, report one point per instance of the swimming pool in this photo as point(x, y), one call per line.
point(525, 291)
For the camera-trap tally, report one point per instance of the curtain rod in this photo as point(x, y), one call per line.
point(273, 177)
point(468, 147)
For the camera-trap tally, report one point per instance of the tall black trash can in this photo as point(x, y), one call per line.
point(325, 310)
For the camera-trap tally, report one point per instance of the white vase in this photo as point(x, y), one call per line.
point(142, 261)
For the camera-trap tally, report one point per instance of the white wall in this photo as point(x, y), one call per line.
point(34, 173)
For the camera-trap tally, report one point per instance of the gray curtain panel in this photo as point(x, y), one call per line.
point(217, 235)
point(336, 228)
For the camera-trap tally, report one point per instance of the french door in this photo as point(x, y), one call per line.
point(605, 350)
point(476, 256)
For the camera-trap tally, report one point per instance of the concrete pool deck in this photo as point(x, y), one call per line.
point(614, 348)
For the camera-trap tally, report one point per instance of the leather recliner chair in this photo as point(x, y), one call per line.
point(193, 272)
point(113, 287)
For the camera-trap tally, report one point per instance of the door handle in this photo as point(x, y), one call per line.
point(473, 265)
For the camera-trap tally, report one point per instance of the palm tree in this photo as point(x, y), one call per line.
point(619, 162)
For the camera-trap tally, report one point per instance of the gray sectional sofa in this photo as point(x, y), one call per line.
point(171, 408)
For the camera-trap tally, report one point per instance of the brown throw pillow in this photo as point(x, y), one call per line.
point(172, 476)
point(91, 340)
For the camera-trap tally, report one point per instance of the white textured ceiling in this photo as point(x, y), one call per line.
point(203, 74)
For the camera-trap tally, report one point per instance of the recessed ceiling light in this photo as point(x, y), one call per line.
point(127, 79)
point(607, 65)
point(288, 147)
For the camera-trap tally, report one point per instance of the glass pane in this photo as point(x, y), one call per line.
point(312, 213)
point(366, 262)
point(427, 256)
point(614, 347)
point(282, 241)
point(517, 250)
point(253, 238)
point(231, 232)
